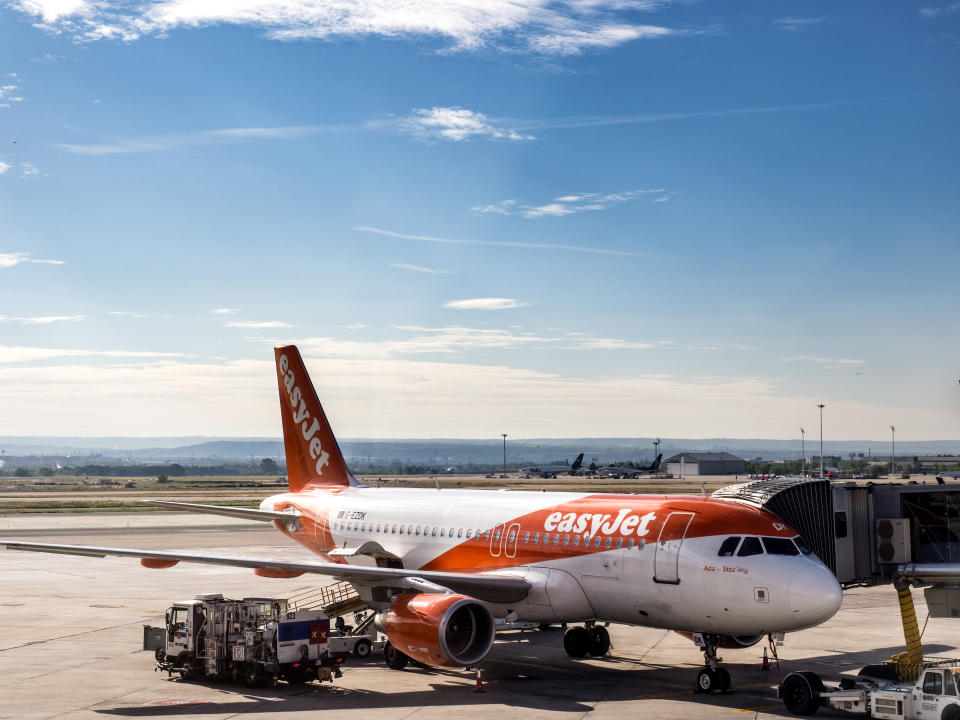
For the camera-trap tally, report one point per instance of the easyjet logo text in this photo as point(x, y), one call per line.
point(626, 522)
point(301, 416)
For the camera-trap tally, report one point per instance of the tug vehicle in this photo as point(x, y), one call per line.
point(934, 696)
point(256, 640)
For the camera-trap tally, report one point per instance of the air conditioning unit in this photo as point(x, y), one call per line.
point(893, 540)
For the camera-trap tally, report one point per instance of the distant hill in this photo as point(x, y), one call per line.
point(445, 451)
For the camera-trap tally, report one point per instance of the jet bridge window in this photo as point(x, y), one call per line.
point(933, 683)
point(780, 546)
point(750, 546)
point(729, 546)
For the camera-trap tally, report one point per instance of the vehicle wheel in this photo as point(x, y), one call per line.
point(723, 679)
point(951, 712)
point(362, 649)
point(577, 641)
point(797, 693)
point(707, 680)
point(250, 676)
point(395, 659)
point(599, 641)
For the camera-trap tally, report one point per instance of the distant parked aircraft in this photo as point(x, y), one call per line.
point(622, 471)
point(550, 471)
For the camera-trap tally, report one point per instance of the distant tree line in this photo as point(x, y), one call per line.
point(267, 466)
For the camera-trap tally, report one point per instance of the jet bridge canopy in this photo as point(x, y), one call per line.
point(804, 504)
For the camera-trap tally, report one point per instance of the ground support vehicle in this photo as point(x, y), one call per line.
point(256, 640)
point(359, 640)
point(877, 693)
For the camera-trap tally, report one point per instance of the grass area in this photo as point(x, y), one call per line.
point(73, 506)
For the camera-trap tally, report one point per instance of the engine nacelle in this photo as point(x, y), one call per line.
point(439, 630)
point(732, 642)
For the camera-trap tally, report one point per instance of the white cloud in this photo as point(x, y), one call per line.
point(129, 314)
point(366, 395)
point(355, 326)
point(929, 12)
point(418, 268)
point(484, 304)
point(794, 24)
point(16, 354)
point(41, 319)
point(8, 93)
point(564, 27)
point(28, 168)
point(254, 324)
point(3, 168)
point(11, 259)
point(224, 311)
point(455, 123)
point(569, 204)
point(828, 363)
point(505, 243)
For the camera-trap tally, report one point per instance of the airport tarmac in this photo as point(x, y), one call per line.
point(70, 639)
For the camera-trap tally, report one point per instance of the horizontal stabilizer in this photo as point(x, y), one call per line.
point(287, 516)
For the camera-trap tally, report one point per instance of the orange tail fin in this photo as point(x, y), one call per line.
point(313, 456)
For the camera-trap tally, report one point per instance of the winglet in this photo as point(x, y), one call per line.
point(313, 456)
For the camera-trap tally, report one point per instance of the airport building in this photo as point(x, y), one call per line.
point(708, 463)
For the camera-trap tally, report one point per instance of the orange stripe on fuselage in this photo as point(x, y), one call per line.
point(598, 515)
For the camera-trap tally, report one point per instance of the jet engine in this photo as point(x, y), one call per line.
point(740, 641)
point(732, 642)
point(439, 630)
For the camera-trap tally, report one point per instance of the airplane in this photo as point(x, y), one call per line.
point(551, 471)
point(623, 471)
point(438, 566)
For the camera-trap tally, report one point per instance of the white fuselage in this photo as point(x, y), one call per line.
point(643, 560)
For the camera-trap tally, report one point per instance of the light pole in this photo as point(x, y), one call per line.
point(821, 406)
point(893, 452)
point(504, 453)
point(803, 454)
point(656, 449)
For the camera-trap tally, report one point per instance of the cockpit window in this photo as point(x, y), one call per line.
point(729, 547)
point(750, 546)
point(802, 546)
point(780, 546)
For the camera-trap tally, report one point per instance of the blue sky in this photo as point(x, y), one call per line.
point(593, 217)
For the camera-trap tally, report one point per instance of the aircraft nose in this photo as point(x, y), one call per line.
point(815, 595)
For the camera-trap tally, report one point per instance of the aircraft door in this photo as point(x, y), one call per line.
point(496, 540)
point(667, 554)
point(510, 542)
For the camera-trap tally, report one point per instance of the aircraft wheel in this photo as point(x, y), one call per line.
point(707, 680)
point(723, 679)
point(395, 659)
point(798, 693)
point(577, 641)
point(362, 648)
point(599, 641)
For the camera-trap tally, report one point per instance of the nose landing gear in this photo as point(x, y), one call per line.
point(712, 677)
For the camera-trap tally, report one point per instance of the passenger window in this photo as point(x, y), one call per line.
point(418, 530)
point(402, 529)
point(933, 683)
point(750, 546)
point(394, 530)
point(566, 539)
point(433, 533)
point(576, 540)
point(526, 537)
point(586, 540)
point(619, 542)
point(469, 534)
point(556, 538)
point(511, 536)
point(379, 525)
point(496, 535)
point(443, 532)
point(451, 532)
point(780, 546)
point(596, 542)
point(630, 543)
point(608, 543)
point(729, 546)
point(460, 533)
point(536, 538)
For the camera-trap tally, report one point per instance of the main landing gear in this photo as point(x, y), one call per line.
point(590, 640)
point(712, 677)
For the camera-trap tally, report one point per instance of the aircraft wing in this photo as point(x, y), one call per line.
point(290, 517)
point(488, 587)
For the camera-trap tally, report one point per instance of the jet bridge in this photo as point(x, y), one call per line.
point(862, 532)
